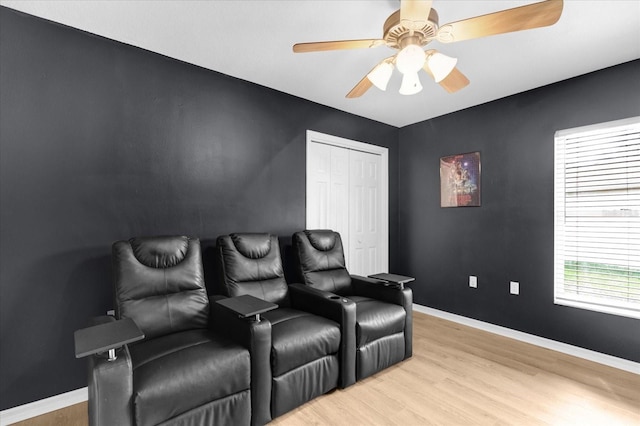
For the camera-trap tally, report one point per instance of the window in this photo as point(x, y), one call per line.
point(597, 217)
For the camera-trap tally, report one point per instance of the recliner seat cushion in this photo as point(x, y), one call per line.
point(375, 319)
point(299, 338)
point(182, 371)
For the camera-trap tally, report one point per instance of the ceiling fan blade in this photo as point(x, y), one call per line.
point(360, 88)
point(414, 13)
point(534, 15)
point(320, 46)
point(453, 82)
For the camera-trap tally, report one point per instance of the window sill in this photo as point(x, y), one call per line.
point(597, 307)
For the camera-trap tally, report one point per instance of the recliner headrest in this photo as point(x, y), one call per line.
point(163, 252)
point(253, 246)
point(321, 239)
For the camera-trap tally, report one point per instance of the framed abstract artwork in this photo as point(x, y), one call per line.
point(460, 180)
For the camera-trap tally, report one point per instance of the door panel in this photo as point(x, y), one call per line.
point(318, 183)
point(364, 236)
point(339, 201)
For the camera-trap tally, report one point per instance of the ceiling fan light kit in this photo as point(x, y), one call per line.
point(410, 84)
point(410, 59)
point(440, 65)
point(415, 25)
point(381, 75)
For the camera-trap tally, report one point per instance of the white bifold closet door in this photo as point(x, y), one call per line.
point(347, 192)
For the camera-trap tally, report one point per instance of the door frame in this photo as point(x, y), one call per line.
point(317, 137)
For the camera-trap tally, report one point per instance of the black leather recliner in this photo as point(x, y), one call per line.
point(313, 334)
point(198, 364)
point(384, 324)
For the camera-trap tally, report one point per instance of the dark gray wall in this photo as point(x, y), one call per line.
point(510, 237)
point(100, 141)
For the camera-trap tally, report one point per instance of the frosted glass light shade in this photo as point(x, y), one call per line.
point(410, 84)
point(410, 59)
point(441, 65)
point(380, 75)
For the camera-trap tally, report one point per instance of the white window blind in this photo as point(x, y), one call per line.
point(597, 217)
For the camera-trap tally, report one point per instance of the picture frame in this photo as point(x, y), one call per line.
point(460, 180)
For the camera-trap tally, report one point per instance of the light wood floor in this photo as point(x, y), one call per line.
point(463, 376)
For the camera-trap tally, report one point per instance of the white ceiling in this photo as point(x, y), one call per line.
point(252, 39)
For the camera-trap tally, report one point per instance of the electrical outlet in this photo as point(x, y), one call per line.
point(514, 287)
point(111, 313)
point(473, 281)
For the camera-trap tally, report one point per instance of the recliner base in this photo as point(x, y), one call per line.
point(379, 354)
point(232, 410)
point(303, 384)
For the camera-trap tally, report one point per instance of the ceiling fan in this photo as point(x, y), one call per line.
point(415, 25)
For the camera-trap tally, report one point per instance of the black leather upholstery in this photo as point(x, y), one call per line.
point(252, 265)
point(110, 386)
point(384, 325)
point(189, 369)
point(182, 371)
point(323, 260)
point(159, 284)
point(299, 338)
point(306, 351)
point(375, 319)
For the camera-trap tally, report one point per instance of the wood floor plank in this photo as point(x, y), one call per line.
point(459, 375)
point(463, 376)
point(74, 415)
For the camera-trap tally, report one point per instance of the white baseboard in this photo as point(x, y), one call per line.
point(43, 406)
point(37, 408)
point(611, 361)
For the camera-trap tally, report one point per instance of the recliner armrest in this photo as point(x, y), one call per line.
point(106, 336)
point(110, 386)
point(391, 294)
point(322, 303)
point(240, 330)
point(256, 337)
point(247, 306)
point(379, 290)
point(339, 309)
